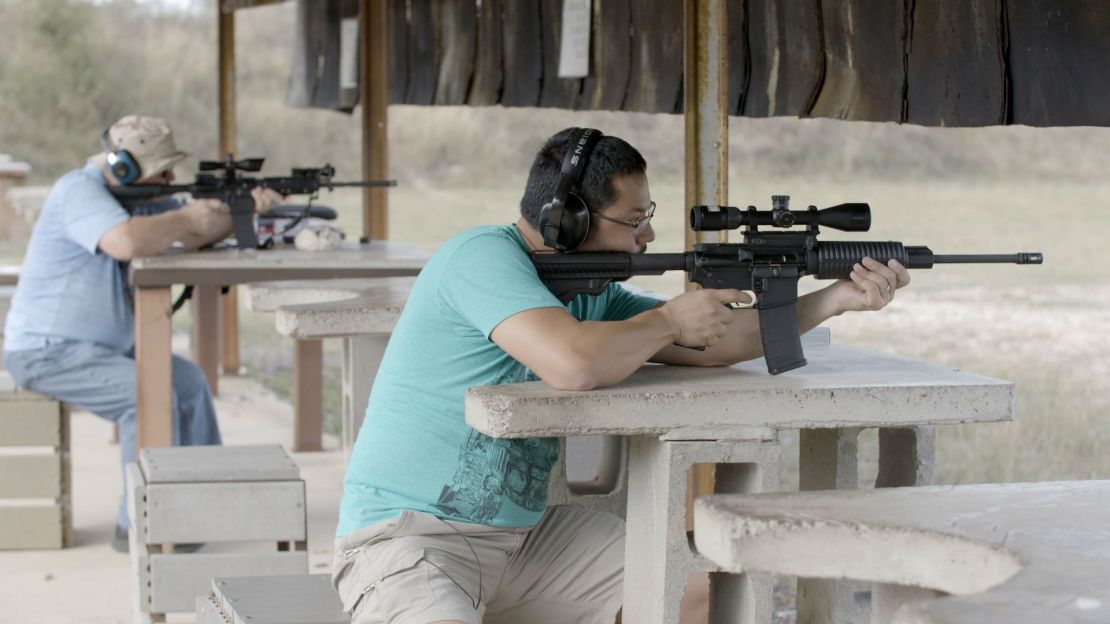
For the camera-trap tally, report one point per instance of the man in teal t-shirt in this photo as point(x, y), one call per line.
point(440, 523)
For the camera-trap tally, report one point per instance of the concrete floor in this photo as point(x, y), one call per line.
point(90, 582)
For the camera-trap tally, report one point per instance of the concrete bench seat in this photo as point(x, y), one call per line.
point(362, 312)
point(1009, 553)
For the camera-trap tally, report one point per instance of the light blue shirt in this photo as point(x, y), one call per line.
point(415, 450)
point(68, 289)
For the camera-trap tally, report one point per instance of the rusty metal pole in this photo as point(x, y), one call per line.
point(705, 99)
point(226, 96)
point(374, 85)
point(731, 598)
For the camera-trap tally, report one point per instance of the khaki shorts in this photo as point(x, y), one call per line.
point(418, 569)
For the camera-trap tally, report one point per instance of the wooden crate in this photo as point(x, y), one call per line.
point(251, 495)
point(35, 482)
point(300, 599)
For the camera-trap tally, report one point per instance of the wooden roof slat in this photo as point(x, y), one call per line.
point(455, 24)
point(423, 66)
point(523, 53)
point(554, 91)
point(610, 56)
point(398, 51)
point(485, 88)
point(864, 76)
point(956, 70)
point(737, 56)
point(1059, 57)
point(655, 80)
point(787, 57)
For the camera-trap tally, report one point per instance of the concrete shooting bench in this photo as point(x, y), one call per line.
point(208, 271)
point(362, 312)
point(1016, 553)
point(676, 417)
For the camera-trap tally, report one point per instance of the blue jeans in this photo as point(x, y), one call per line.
point(101, 380)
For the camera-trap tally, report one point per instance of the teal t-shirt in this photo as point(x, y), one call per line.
point(415, 450)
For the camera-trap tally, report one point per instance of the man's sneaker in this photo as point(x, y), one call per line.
point(120, 542)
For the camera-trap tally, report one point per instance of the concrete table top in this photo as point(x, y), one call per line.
point(840, 387)
point(9, 275)
point(234, 266)
point(333, 308)
point(1013, 553)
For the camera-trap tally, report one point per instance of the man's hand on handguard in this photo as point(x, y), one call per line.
point(207, 217)
point(701, 317)
point(265, 199)
point(871, 286)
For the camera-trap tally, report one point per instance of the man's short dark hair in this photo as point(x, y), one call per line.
point(611, 158)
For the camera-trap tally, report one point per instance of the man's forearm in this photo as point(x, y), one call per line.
point(614, 350)
point(151, 235)
point(154, 234)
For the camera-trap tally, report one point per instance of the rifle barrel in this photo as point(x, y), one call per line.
point(1025, 257)
point(365, 183)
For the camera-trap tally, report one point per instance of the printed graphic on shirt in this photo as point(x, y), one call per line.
point(491, 469)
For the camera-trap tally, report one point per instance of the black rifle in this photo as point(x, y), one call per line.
point(235, 190)
point(768, 263)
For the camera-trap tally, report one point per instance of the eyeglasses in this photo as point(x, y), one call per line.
point(635, 224)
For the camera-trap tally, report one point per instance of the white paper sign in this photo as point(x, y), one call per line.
point(574, 43)
point(348, 53)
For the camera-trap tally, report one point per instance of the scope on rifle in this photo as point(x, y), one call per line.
point(852, 217)
point(230, 164)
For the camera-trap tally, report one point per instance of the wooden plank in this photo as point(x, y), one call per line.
point(455, 23)
point(308, 395)
point(206, 333)
point(31, 475)
point(523, 53)
point(422, 62)
point(176, 580)
point(1058, 55)
point(787, 59)
point(229, 316)
point(30, 423)
point(485, 89)
point(216, 512)
point(610, 57)
point(737, 56)
point(280, 599)
point(655, 79)
point(555, 92)
point(956, 72)
point(31, 525)
point(191, 464)
point(398, 51)
point(153, 421)
point(864, 70)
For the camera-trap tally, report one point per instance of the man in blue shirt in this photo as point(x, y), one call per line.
point(70, 332)
point(440, 523)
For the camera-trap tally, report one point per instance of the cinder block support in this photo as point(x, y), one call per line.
point(906, 456)
point(362, 355)
point(828, 460)
point(661, 556)
point(886, 599)
point(607, 457)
